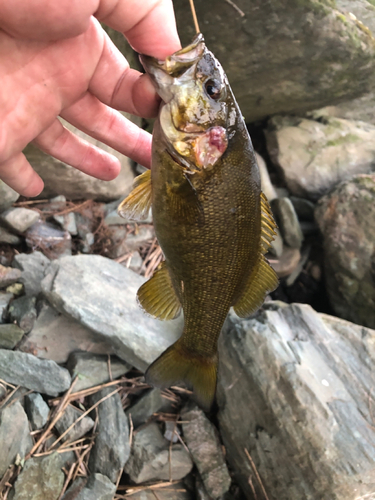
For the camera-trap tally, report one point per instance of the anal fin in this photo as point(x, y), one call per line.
point(158, 297)
point(137, 205)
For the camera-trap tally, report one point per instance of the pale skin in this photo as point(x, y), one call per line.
point(55, 60)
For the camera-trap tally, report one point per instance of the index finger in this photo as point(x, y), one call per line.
point(149, 26)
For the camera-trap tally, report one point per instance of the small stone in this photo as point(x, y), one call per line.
point(265, 180)
point(98, 487)
point(33, 267)
point(40, 479)
point(71, 415)
point(93, 369)
point(87, 243)
point(38, 375)
point(287, 220)
point(67, 222)
point(5, 298)
point(203, 442)
point(285, 265)
point(37, 410)
point(10, 335)
point(151, 459)
point(15, 289)
point(15, 436)
point(277, 245)
point(171, 431)
point(52, 241)
point(7, 196)
point(316, 272)
point(20, 219)
point(8, 276)
point(111, 449)
point(146, 406)
point(23, 312)
point(7, 237)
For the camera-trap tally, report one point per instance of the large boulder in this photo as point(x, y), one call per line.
point(346, 217)
point(285, 57)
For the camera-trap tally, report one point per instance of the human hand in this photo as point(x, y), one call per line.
point(56, 60)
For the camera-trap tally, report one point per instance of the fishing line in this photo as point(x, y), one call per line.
point(192, 6)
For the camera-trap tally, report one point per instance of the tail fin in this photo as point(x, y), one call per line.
point(177, 364)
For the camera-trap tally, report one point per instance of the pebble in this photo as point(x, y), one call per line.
point(7, 237)
point(33, 267)
point(287, 221)
point(149, 403)
point(19, 219)
point(7, 196)
point(67, 222)
point(10, 335)
point(8, 276)
point(71, 415)
point(23, 312)
point(37, 410)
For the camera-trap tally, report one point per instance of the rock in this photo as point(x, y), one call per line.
point(171, 431)
point(304, 208)
point(7, 196)
point(93, 369)
point(293, 391)
point(37, 410)
point(287, 221)
point(202, 439)
point(175, 491)
point(111, 449)
point(101, 295)
point(277, 245)
point(75, 488)
point(7, 237)
point(67, 222)
point(15, 436)
point(315, 156)
point(146, 406)
point(40, 479)
point(55, 336)
point(16, 289)
point(150, 458)
point(346, 218)
point(275, 45)
point(287, 263)
point(71, 415)
point(23, 312)
point(265, 180)
point(33, 267)
point(8, 275)
point(19, 219)
point(53, 241)
point(38, 375)
point(135, 262)
point(98, 487)
point(10, 335)
point(5, 299)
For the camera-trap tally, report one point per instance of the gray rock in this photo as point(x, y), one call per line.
point(98, 487)
point(346, 218)
point(71, 415)
point(93, 369)
point(293, 390)
point(171, 431)
point(38, 375)
point(265, 180)
point(33, 267)
point(40, 479)
point(15, 436)
point(7, 196)
point(150, 458)
point(19, 219)
point(5, 298)
point(146, 406)
point(287, 221)
point(7, 237)
point(55, 336)
point(10, 335)
point(53, 241)
point(101, 295)
point(276, 45)
point(203, 442)
point(8, 275)
point(37, 410)
point(23, 312)
point(67, 222)
point(304, 208)
point(111, 449)
point(175, 491)
point(75, 488)
point(277, 245)
point(315, 156)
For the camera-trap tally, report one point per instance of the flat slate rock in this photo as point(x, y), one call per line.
point(71, 415)
point(38, 375)
point(37, 410)
point(33, 266)
point(101, 295)
point(20, 219)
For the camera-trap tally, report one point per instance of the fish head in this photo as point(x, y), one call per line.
point(197, 105)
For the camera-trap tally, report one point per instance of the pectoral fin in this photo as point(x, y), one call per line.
point(183, 200)
point(137, 205)
point(158, 297)
point(262, 281)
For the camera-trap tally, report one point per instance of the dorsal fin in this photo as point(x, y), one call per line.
point(137, 205)
point(268, 224)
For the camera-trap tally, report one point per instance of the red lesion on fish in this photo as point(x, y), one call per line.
point(210, 146)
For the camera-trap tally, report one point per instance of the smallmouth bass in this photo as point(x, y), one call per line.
point(211, 219)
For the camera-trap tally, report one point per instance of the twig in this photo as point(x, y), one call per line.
point(109, 368)
point(131, 431)
point(256, 474)
point(196, 25)
point(67, 480)
point(241, 12)
point(7, 398)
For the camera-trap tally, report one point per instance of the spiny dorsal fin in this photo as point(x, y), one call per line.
point(262, 281)
point(137, 205)
point(268, 224)
point(157, 296)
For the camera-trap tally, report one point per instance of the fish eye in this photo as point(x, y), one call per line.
point(213, 89)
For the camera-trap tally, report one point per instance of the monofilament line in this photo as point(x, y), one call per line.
point(192, 6)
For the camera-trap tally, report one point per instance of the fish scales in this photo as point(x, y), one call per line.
point(206, 199)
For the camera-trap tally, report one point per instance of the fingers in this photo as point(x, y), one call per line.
point(67, 147)
point(20, 176)
point(111, 127)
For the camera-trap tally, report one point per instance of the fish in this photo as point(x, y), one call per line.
point(212, 221)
